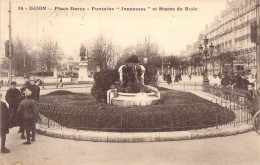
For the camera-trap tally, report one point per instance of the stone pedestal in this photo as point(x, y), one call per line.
point(83, 71)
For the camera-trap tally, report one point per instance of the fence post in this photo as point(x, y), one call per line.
point(78, 119)
point(48, 122)
point(121, 120)
point(216, 120)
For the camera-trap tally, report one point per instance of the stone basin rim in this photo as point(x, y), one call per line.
point(135, 94)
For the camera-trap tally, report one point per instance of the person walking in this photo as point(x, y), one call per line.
point(169, 78)
point(13, 98)
point(176, 78)
point(4, 124)
point(164, 76)
point(28, 108)
point(61, 85)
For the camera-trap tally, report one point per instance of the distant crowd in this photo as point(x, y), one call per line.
point(21, 110)
point(223, 83)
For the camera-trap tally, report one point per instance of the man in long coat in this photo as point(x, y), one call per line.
point(4, 125)
point(13, 98)
point(27, 85)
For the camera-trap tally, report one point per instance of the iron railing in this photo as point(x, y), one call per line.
point(144, 119)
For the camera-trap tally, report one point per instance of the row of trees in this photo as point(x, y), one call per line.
point(107, 56)
point(27, 60)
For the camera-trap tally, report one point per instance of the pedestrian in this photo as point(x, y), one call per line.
point(176, 78)
point(27, 85)
point(61, 85)
point(34, 90)
point(189, 76)
point(252, 99)
point(4, 124)
point(169, 78)
point(225, 83)
point(226, 80)
point(244, 82)
point(38, 89)
point(180, 79)
point(164, 76)
point(219, 75)
point(28, 108)
point(13, 98)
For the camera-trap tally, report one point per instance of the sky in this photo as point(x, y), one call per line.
point(171, 30)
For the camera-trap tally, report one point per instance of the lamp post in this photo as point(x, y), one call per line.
point(258, 44)
point(206, 51)
point(10, 46)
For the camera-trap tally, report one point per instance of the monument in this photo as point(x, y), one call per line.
point(130, 89)
point(83, 65)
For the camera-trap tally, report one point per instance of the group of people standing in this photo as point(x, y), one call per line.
point(168, 77)
point(241, 83)
point(21, 110)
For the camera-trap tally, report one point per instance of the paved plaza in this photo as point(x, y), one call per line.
point(243, 149)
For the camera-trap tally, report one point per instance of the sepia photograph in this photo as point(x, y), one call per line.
point(130, 82)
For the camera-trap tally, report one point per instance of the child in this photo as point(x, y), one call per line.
point(28, 108)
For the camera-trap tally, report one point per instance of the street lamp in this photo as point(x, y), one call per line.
point(145, 60)
point(206, 52)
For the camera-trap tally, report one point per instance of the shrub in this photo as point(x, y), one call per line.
point(60, 92)
point(102, 82)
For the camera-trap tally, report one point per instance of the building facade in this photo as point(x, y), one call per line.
point(231, 31)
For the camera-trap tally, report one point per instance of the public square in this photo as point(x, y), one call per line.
point(130, 82)
point(242, 149)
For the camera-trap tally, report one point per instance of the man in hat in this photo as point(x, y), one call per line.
point(13, 98)
point(27, 85)
point(4, 124)
point(38, 84)
point(34, 96)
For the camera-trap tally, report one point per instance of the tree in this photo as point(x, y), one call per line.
point(213, 60)
point(23, 61)
point(228, 57)
point(104, 53)
point(196, 61)
point(141, 50)
point(49, 55)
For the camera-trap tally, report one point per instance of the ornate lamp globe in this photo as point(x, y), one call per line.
point(205, 40)
point(145, 59)
point(200, 48)
point(211, 48)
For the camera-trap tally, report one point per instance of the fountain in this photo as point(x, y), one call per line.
point(130, 89)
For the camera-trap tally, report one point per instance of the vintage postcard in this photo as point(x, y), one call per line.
point(129, 82)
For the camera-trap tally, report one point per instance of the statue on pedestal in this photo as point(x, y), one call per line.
point(83, 65)
point(82, 53)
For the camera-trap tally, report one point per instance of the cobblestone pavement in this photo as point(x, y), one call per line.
point(243, 149)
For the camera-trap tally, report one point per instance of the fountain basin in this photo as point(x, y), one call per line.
point(133, 99)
